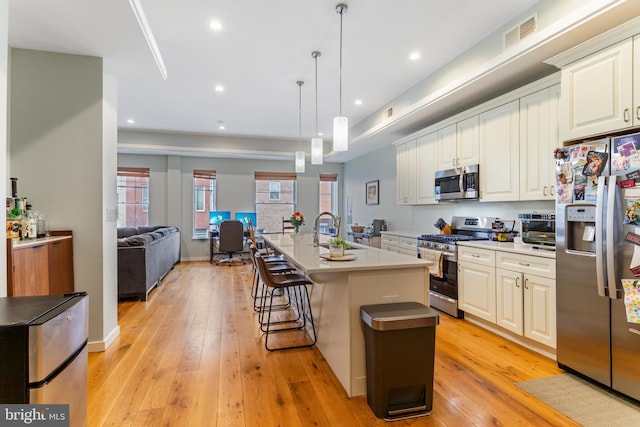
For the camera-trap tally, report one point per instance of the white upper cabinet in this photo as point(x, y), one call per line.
point(406, 173)
point(500, 153)
point(636, 80)
point(447, 149)
point(539, 135)
point(427, 149)
point(458, 144)
point(468, 142)
point(598, 92)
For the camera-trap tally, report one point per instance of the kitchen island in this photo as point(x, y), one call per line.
point(341, 287)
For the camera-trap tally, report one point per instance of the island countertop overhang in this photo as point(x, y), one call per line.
point(299, 249)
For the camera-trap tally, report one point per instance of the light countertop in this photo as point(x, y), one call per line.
point(403, 233)
point(17, 244)
point(509, 247)
point(300, 250)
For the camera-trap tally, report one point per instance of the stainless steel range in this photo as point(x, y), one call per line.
point(443, 283)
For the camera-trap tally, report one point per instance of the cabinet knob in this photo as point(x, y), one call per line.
point(626, 115)
point(525, 264)
point(517, 284)
point(526, 281)
point(544, 191)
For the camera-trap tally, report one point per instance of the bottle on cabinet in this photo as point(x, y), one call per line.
point(29, 225)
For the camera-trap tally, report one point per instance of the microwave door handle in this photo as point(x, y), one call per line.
point(600, 267)
point(461, 184)
point(611, 213)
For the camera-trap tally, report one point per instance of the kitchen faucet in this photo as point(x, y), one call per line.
point(336, 224)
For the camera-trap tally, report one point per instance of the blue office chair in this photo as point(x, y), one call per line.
point(231, 240)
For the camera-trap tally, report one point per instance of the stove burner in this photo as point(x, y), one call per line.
point(447, 238)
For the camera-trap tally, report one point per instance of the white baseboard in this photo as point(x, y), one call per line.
point(99, 346)
point(523, 341)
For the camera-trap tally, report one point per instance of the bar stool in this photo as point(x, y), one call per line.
point(300, 305)
point(275, 265)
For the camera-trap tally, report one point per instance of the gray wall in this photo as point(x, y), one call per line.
point(171, 190)
point(4, 59)
point(419, 219)
point(62, 150)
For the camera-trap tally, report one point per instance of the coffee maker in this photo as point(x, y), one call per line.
point(378, 225)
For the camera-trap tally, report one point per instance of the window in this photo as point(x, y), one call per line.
point(204, 201)
point(274, 190)
point(133, 197)
point(275, 199)
point(199, 198)
point(328, 200)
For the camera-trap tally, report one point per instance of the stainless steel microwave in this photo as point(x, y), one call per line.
point(458, 184)
point(538, 229)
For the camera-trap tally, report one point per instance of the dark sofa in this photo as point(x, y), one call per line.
point(145, 256)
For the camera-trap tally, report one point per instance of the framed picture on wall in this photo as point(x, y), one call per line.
point(372, 195)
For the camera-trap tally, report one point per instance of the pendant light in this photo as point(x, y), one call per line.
point(341, 123)
point(317, 145)
point(300, 153)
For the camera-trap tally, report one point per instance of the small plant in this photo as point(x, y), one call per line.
point(338, 241)
point(297, 219)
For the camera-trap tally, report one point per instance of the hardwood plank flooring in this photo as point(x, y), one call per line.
point(193, 355)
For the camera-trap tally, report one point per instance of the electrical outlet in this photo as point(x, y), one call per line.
point(387, 299)
point(112, 215)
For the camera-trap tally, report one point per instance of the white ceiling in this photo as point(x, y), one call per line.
point(263, 49)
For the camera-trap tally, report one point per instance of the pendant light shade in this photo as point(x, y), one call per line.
point(317, 149)
point(300, 154)
point(300, 161)
point(317, 144)
point(341, 123)
point(340, 133)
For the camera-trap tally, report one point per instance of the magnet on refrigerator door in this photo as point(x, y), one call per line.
point(632, 299)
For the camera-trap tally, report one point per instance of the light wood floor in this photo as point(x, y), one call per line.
point(192, 355)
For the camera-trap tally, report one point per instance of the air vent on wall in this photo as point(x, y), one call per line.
point(519, 32)
point(388, 113)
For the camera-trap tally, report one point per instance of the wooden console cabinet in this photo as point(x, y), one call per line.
point(40, 266)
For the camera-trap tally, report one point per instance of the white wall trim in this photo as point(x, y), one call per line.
point(99, 346)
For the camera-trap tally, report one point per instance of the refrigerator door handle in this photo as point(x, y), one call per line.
point(611, 213)
point(600, 265)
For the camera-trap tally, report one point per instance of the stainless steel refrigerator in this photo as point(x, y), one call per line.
point(597, 333)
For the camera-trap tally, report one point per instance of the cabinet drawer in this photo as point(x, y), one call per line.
point(477, 256)
point(545, 267)
point(400, 244)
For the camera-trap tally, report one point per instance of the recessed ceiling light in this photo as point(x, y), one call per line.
point(358, 102)
point(220, 125)
point(320, 134)
point(414, 56)
point(215, 25)
point(131, 121)
point(219, 88)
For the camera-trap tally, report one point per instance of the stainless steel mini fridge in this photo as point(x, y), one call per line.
point(43, 348)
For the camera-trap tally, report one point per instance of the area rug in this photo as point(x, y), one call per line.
point(584, 402)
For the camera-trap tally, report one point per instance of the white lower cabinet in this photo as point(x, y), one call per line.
point(477, 282)
point(399, 244)
point(526, 302)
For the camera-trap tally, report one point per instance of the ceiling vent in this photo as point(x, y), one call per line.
point(519, 32)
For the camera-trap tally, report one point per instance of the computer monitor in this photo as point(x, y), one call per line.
point(245, 217)
point(216, 217)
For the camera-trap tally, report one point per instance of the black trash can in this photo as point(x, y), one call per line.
point(400, 343)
